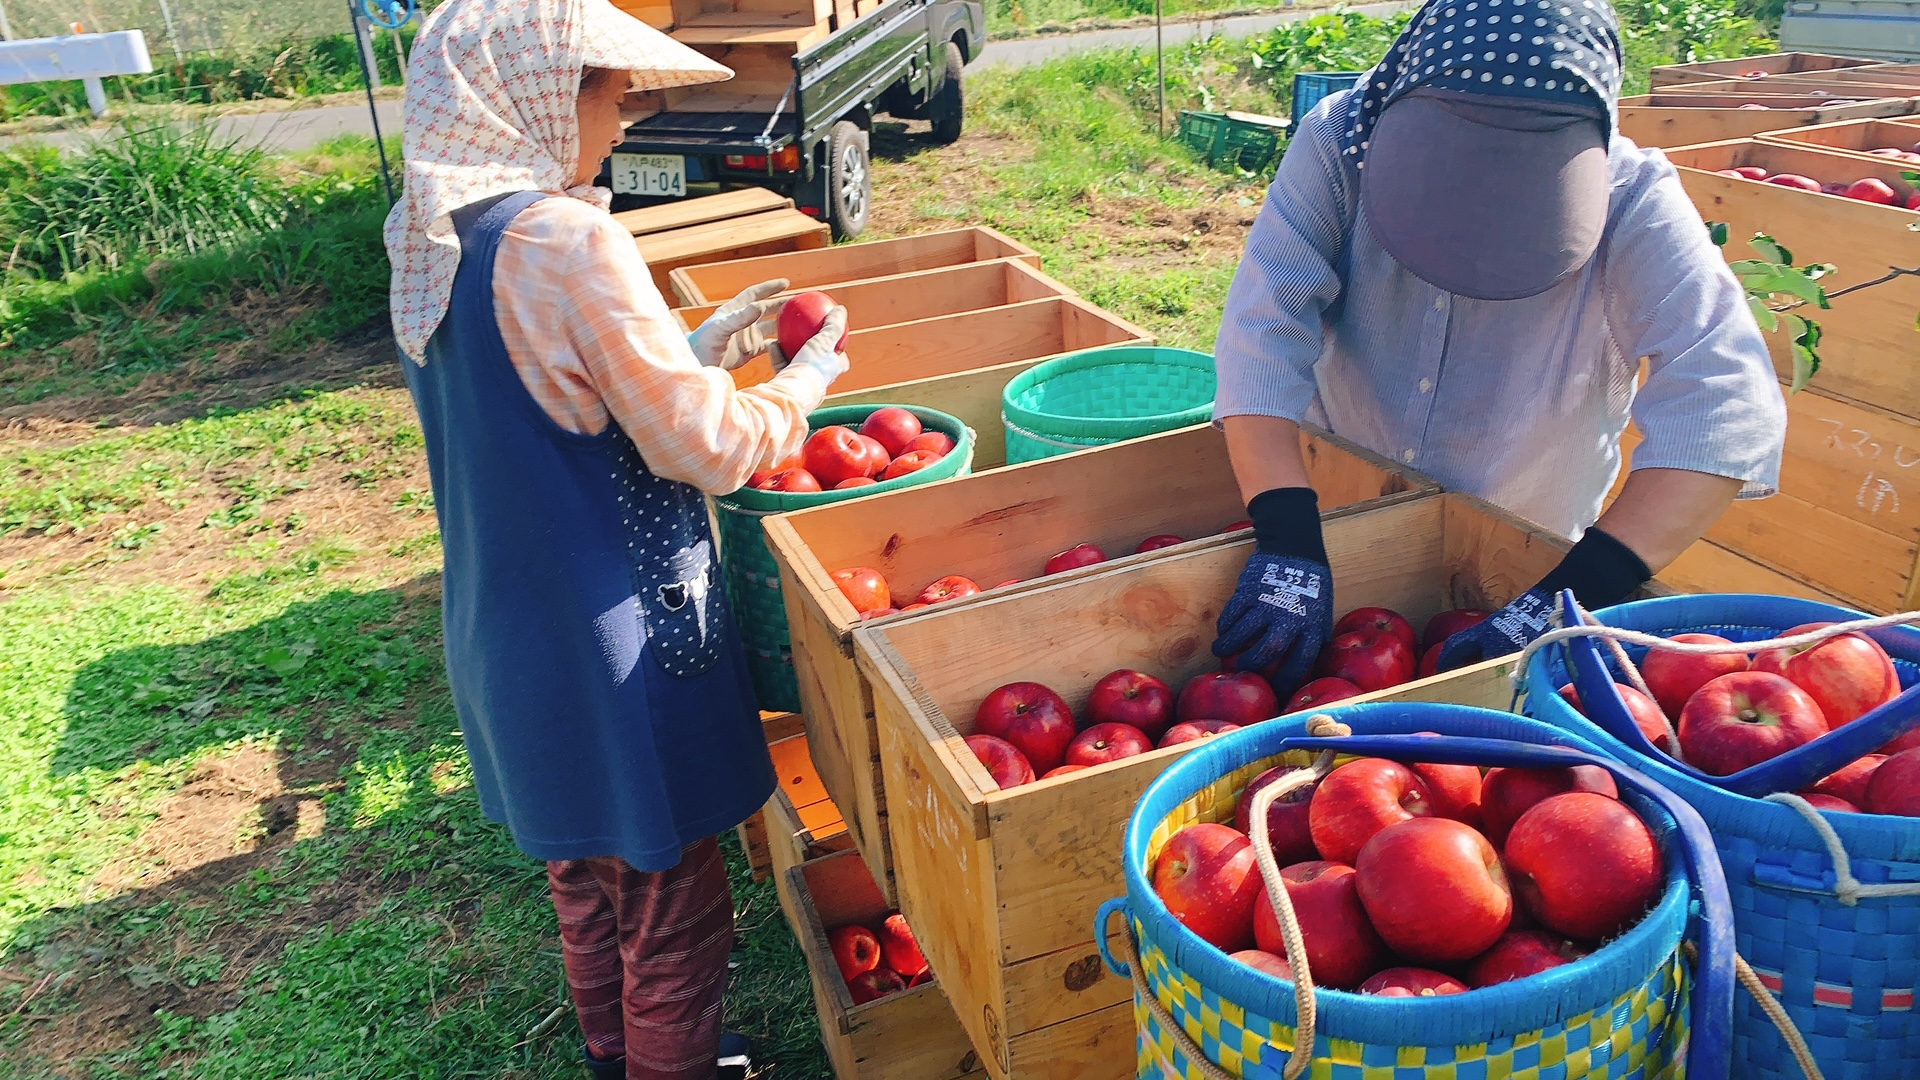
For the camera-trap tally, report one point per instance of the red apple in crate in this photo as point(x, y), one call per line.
point(1155, 543)
point(792, 480)
point(1505, 794)
point(1009, 581)
point(1850, 781)
point(1074, 558)
point(898, 950)
point(1342, 947)
point(1238, 697)
point(1673, 677)
point(1646, 715)
point(863, 587)
point(1847, 676)
point(801, 318)
point(1829, 802)
point(1752, 172)
point(1064, 770)
point(1237, 526)
point(856, 482)
point(1744, 719)
point(1430, 662)
point(1320, 693)
point(1369, 659)
point(1378, 618)
point(1584, 865)
point(1033, 718)
point(892, 427)
point(1895, 787)
point(1132, 697)
point(1873, 190)
point(878, 613)
point(952, 587)
point(1102, 743)
point(1834, 187)
point(921, 979)
point(1448, 623)
point(874, 985)
point(1754, 105)
point(877, 457)
point(1520, 953)
point(1288, 832)
point(835, 453)
point(937, 443)
point(1434, 890)
point(1195, 731)
point(1207, 878)
point(1359, 799)
point(1412, 982)
point(1793, 180)
point(1008, 766)
point(1454, 790)
point(1266, 962)
point(910, 462)
point(856, 950)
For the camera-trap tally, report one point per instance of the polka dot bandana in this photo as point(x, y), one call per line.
point(1556, 52)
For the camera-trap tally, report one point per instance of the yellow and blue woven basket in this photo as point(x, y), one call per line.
point(1635, 1008)
point(1846, 972)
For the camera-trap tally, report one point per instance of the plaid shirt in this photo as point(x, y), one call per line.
point(591, 338)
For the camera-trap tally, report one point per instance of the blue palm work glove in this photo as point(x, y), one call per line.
point(1600, 570)
point(1281, 612)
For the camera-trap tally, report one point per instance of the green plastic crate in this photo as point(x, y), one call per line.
point(1105, 395)
point(1233, 139)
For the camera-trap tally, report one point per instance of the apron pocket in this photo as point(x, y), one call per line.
point(686, 620)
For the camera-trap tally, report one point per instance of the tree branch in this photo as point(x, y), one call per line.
point(1892, 273)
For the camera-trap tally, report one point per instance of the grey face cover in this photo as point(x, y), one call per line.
point(1488, 198)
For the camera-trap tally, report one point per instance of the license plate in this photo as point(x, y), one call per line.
point(650, 174)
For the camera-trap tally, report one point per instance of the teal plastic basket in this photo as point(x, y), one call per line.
point(1103, 396)
point(753, 578)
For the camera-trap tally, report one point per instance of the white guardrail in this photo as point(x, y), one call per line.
point(87, 57)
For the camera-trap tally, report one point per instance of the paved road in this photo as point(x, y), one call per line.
point(299, 129)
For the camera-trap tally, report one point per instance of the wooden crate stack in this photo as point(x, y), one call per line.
point(1715, 101)
point(730, 225)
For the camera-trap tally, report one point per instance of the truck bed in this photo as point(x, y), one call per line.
point(694, 132)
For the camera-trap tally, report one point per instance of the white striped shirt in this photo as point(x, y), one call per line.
point(1521, 402)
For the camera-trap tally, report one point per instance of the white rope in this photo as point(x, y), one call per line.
point(1639, 683)
point(1846, 888)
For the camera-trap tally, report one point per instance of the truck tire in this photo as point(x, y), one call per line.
point(849, 180)
point(948, 107)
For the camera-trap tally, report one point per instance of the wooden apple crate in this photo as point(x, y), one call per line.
point(1852, 136)
point(1671, 119)
point(1792, 63)
point(924, 294)
point(798, 822)
point(765, 233)
point(655, 13)
point(907, 1036)
point(1002, 885)
point(1868, 348)
point(715, 280)
point(1005, 524)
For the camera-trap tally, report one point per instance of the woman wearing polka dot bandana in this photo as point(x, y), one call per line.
point(1461, 265)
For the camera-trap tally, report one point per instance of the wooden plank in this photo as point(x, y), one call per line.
point(967, 340)
point(753, 834)
point(1096, 1046)
point(658, 15)
point(1850, 136)
point(796, 38)
point(1790, 63)
point(925, 294)
point(1674, 120)
point(719, 280)
point(700, 211)
point(1707, 567)
point(733, 234)
point(792, 840)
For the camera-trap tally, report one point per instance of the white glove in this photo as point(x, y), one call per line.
point(742, 327)
point(820, 353)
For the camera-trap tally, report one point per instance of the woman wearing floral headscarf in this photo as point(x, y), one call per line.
point(1460, 265)
point(570, 431)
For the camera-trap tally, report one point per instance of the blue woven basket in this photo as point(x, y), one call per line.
point(1846, 973)
point(1626, 1011)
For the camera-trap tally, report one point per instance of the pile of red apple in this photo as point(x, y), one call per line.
point(890, 444)
point(1871, 189)
point(878, 960)
point(1736, 711)
point(1375, 648)
point(1421, 880)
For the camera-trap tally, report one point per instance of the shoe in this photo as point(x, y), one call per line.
point(736, 1056)
point(604, 1069)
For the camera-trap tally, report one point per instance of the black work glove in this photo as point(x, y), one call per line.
point(1281, 612)
point(1600, 570)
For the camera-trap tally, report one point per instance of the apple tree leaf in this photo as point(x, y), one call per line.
point(1762, 314)
point(1770, 249)
point(1718, 231)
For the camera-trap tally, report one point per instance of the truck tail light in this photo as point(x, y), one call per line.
point(746, 161)
point(787, 159)
point(815, 212)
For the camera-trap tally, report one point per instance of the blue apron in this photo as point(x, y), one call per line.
point(601, 688)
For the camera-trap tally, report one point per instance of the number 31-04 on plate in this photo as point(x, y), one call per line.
point(650, 174)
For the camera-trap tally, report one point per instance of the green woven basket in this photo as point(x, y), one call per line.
point(1102, 396)
point(753, 578)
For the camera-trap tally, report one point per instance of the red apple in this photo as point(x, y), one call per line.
point(855, 482)
point(1847, 676)
point(1728, 172)
point(1074, 558)
point(1850, 781)
point(1238, 697)
point(952, 587)
point(937, 443)
point(1448, 623)
point(835, 453)
point(1430, 662)
point(1008, 766)
point(1752, 172)
point(910, 462)
point(801, 318)
point(1033, 718)
point(1207, 878)
point(874, 985)
point(1320, 693)
point(1754, 105)
point(1412, 982)
point(1009, 581)
point(1887, 151)
point(855, 949)
point(1064, 770)
point(1874, 190)
point(1584, 865)
point(863, 587)
point(1895, 787)
point(1132, 697)
point(1359, 799)
point(1155, 543)
point(1434, 889)
point(1646, 715)
point(1834, 187)
point(1913, 200)
point(878, 613)
point(898, 949)
point(1378, 618)
point(1454, 790)
point(1342, 947)
point(921, 979)
point(1369, 659)
point(1266, 962)
point(1237, 526)
point(892, 427)
point(1744, 719)
point(1195, 731)
point(1673, 677)
point(1520, 953)
point(1506, 794)
point(1288, 832)
point(792, 480)
point(1102, 743)
point(1793, 180)
point(1829, 802)
point(915, 606)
